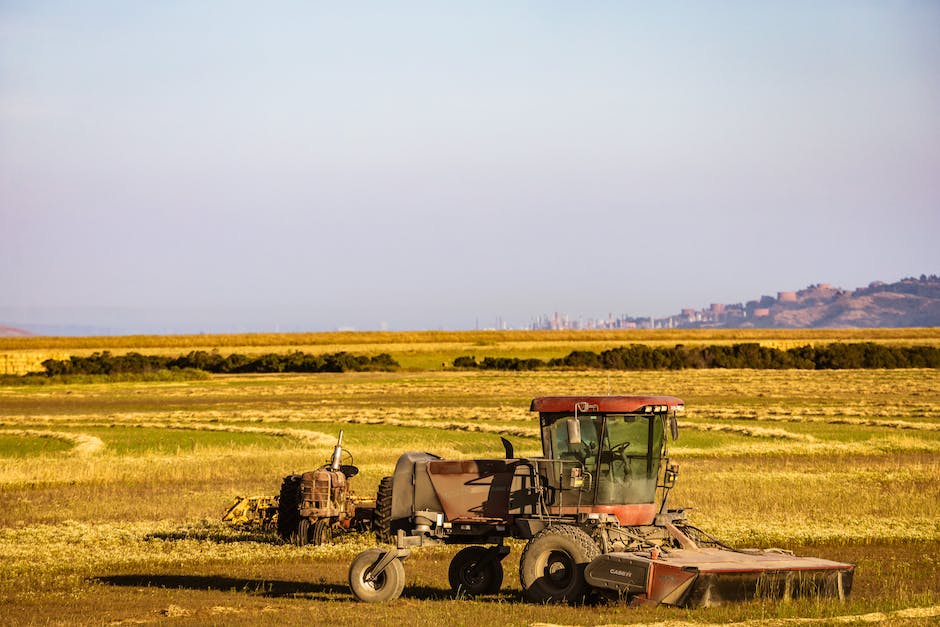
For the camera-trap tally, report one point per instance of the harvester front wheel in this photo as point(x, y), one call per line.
point(468, 576)
point(386, 586)
point(551, 569)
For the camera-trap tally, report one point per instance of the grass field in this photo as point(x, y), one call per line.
point(110, 494)
point(432, 350)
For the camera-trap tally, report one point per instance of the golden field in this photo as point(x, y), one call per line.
point(433, 350)
point(110, 494)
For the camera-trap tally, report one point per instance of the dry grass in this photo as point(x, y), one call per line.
point(428, 350)
point(379, 338)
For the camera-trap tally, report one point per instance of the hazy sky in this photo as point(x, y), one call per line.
point(309, 166)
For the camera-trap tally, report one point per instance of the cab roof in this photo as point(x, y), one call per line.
point(605, 404)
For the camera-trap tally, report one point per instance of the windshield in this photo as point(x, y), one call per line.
point(621, 451)
point(628, 465)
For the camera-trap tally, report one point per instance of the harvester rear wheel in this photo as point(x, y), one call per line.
point(382, 519)
point(387, 586)
point(551, 569)
point(463, 579)
point(288, 515)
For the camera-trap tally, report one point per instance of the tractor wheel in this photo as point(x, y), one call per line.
point(382, 518)
point(463, 579)
point(288, 515)
point(301, 535)
point(322, 532)
point(387, 586)
point(551, 569)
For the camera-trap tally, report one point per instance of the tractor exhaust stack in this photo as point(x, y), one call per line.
point(337, 453)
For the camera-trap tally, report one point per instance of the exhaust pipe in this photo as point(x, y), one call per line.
point(337, 452)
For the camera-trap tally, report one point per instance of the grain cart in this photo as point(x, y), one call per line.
point(594, 510)
point(312, 505)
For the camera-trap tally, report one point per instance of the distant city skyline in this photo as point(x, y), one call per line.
point(165, 322)
point(208, 167)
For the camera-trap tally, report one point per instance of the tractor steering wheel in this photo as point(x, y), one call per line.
point(620, 448)
point(619, 452)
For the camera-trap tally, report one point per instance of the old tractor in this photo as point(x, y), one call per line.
point(315, 504)
point(593, 509)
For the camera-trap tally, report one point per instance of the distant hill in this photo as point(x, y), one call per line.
point(910, 302)
point(13, 332)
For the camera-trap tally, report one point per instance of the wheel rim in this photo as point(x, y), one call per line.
point(466, 575)
point(376, 583)
point(559, 569)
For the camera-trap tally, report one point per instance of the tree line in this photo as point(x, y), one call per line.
point(837, 356)
point(135, 363)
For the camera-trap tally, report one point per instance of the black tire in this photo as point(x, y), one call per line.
point(461, 574)
point(387, 586)
point(301, 535)
point(322, 532)
point(382, 518)
point(551, 569)
point(288, 513)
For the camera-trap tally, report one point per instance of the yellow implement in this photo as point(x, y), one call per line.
point(252, 511)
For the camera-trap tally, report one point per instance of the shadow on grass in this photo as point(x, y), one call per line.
point(270, 588)
point(222, 534)
point(214, 535)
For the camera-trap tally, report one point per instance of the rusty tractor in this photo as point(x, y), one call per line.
point(315, 504)
point(593, 510)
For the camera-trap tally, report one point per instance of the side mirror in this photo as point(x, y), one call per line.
point(674, 427)
point(574, 430)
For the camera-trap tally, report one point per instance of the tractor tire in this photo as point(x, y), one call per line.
point(288, 513)
point(464, 581)
point(551, 569)
point(382, 518)
point(322, 532)
point(387, 586)
point(301, 535)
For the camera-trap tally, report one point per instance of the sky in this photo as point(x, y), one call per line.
point(307, 166)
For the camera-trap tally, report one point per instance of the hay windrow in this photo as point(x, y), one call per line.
point(751, 432)
point(84, 444)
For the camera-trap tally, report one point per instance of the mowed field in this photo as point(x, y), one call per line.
point(111, 493)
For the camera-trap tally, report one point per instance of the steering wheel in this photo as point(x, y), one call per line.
point(620, 448)
point(619, 452)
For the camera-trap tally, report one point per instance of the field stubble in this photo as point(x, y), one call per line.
point(843, 464)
